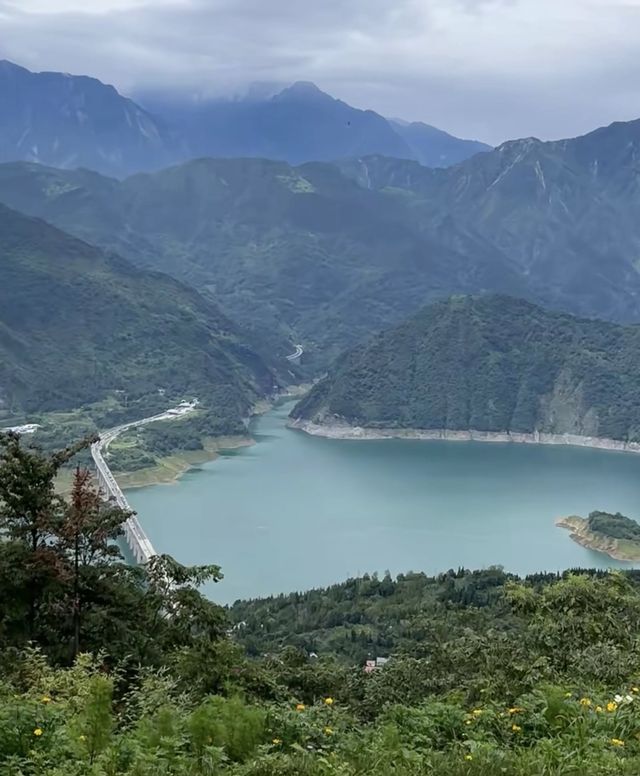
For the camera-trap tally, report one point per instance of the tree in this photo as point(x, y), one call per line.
point(31, 512)
point(87, 539)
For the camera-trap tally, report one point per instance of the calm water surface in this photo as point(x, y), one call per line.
point(294, 511)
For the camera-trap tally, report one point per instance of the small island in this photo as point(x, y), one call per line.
point(616, 535)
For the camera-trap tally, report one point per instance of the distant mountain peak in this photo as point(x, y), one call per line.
point(523, 143)
point(78, 121)
point(303, 90)
point(8, 66)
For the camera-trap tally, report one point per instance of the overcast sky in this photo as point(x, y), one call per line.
point(491, 69)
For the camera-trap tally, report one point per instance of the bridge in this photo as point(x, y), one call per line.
point(137, 540)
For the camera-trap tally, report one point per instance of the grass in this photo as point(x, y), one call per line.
point(172, 467)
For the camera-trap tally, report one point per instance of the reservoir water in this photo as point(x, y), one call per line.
point(294, 511)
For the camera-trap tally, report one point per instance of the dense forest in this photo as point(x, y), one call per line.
point(73, 320)
point(329, 253)
point(109, 669)
point(491, 363)
point(614, 526)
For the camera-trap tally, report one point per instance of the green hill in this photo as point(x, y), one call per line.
point(77, 325)
point(564, 212)
point(301, 254)
point(490, 363)
point(113, 670)
point(328, 253)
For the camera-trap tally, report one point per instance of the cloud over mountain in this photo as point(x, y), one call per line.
point(485, 68)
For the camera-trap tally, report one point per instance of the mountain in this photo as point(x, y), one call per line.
point(326, 254)
point(490, 363)
point(77, 325)
point(76, 121)
point(564, 212)
point(301, 123)
point(298, 254)
point(434, 148)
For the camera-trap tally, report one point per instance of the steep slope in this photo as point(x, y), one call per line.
point(490, 363)
point(76, 121)
point(300, 254)
point(77, 325)
point(326, 254)
point(566, 212)
point(434, 148)
point(300, 124)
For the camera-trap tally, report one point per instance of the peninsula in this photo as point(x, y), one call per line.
point(486, 368)
point(615, 535)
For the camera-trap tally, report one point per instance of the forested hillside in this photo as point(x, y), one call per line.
point(328, 254)
point(310, 254)
point(565, 212)
point(109, 669)
point(490, 363)
point(78, 325)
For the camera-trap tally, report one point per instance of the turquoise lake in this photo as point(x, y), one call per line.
point(294, 511)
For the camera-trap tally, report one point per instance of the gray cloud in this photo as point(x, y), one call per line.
point(491, 69)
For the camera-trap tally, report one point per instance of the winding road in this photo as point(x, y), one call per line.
point(139, 543)
point(296, 354)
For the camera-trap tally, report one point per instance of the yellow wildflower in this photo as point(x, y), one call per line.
point(46, 699)
point(617, 742)
point(300, 707)
point(477, 712)
point(598, 709)
point(612, 706)
point(467, 722)
point(516, 728)
point(585, 701)
point(567, 695)
point(277, 741)
point(328, 701)
point(37, 732)
point(515, 710)
point(635, 690)
point(328, 731)
point(82, 738)
point(468, 757)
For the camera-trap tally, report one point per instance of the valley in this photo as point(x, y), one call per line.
point(293, 512)
point(319, 418)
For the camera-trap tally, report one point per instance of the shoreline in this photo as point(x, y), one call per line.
point(170, 469)
point(345, 431)
point(580, 534)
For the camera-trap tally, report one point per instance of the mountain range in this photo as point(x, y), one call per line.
point(298, 254)
point(328, 253)
point(74, 121)
point(489, 363)
point(77, 325)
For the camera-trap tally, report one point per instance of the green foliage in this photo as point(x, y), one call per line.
point(65, 587)
point(111, 671)
point(371, 617)
point(489, 363)
point(327, 254)
point(324, 261)
point(615, 526)
point(71, 322)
